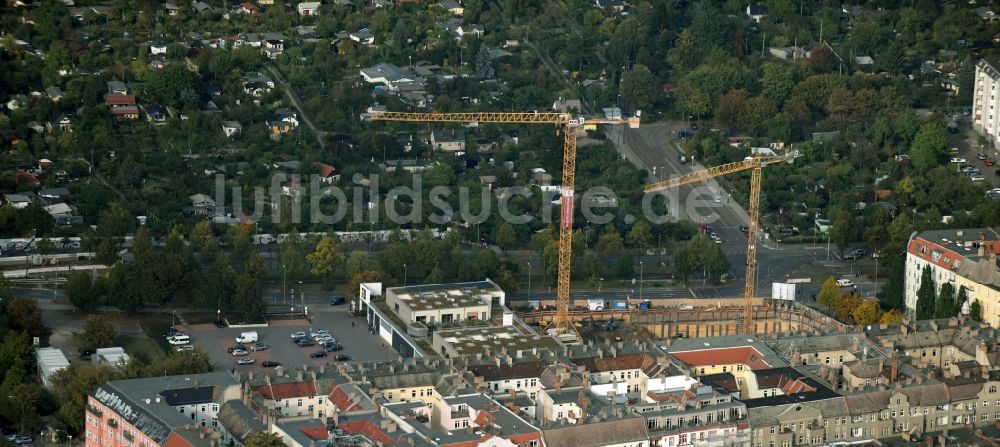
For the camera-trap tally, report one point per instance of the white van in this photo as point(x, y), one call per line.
point(247, 337)
point(178, 340)
point(845, 283)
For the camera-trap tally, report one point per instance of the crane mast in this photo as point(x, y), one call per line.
point(564, 123)
point(754, 164)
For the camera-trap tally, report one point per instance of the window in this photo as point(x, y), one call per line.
point(300, 402)
point(856, 432)
point(993, 389)
point(982, 417)
point(772, 430)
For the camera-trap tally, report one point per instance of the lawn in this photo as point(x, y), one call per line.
point(141, 348)
point(154, 329)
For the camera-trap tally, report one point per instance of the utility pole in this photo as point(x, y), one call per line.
point(529, 281)
point(640, 280)
point(284, 297)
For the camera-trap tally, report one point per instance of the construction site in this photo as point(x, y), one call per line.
point(679, 318)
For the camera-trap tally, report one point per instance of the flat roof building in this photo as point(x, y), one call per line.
point(445, 303)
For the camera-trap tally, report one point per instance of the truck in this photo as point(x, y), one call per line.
point(247, 337)
point(595, 303)
point(783, 291)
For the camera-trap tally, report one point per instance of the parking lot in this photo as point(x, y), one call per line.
point(358, 343)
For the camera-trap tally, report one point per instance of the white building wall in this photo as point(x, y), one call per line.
point(986, 102)
point(911, 280)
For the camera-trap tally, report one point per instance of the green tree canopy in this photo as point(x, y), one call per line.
point(926, 299)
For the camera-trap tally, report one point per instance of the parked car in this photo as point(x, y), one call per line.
point(343, 358)
point(318, 355)
point(179, 340)
point(23, 440)
point(334, 347)
point(183, 348)
point(977, 177)
point(315, 334)
point(239, 352)
point(305, 342)
point(299, 334)
point(259, 346)
point(171, 331)
point(336, 301)
point(981, 156)
point(270, 364)
point(958, 160)
point(988, 162)
point(246, 361)
point(233, 348)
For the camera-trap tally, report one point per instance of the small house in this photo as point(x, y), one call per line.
point(231, 128)
point(756, 12)
point(448, 140)
point(327, 174)
point(308, 8)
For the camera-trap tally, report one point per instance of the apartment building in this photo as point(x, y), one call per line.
point(961, 257)
point(174, 410)
point(986, 100)
point(444, 303)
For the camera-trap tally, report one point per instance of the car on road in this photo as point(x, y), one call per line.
point(694, 125)
point(845, 283)
point(334, 347)
point(343, 358)
point(745, 229)
point(239, 352)
point(318, 355)
point(305, 342)
point(259, 347)
point(966, 111)
point(246, 361)
point(981, 156)
point(717, 199)
point(336, 301)
point(958, 160)
point(22, 440)
point(270, 364)
point(220, 324)
point(856, 254)
point(684, 134)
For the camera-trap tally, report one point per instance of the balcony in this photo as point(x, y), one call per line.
point(112, 423)
point(94, 410)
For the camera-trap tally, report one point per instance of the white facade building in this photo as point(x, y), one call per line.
point(986, 100)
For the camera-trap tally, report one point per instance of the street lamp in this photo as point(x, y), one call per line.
point(284, 270)
point(404, 275)
point(640, 280)
point(529, 281)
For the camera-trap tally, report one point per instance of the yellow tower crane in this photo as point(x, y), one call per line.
point(754, 164)
point(565, 123)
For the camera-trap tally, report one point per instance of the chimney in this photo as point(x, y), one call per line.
point(298, 374)
point(894, 374)
point(513, 393)
point(586, 381)
point(881, 366)
point(496, 361)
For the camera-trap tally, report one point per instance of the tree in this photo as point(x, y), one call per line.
point(866, 313)
point(325, 260)
point(966, 78)
point(778, 81)
point(640, 236)
point(976, 311)
point(893, 316)
point(696, 102)
point(828, 293)
point(506, 237)
point(168, 84)
point(685, 54)
point(638, 86)
point(844, 306)
point(25, 316)
point(925, 295)
point(98, 332)
point(45, 247)
point(962, 300)
point(484, 63)
point(946, 302)
point(71, 386)
point(716, 263)
point(82, 291)
point(356, 262)
point(841, 231)
point(930, 146)
point(821, 59)
point(264, 439)
point(505, 280)
point(731, 108)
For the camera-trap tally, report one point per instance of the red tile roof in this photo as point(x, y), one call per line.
point(946, 260)
point(27, 178)
point(342, 401)
point(120, 100)
point(723, 356)
point(315, 433)
point(369, 429)
point(484, 419)
point(175, 440)
point(326, 170)
point(279, 391)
